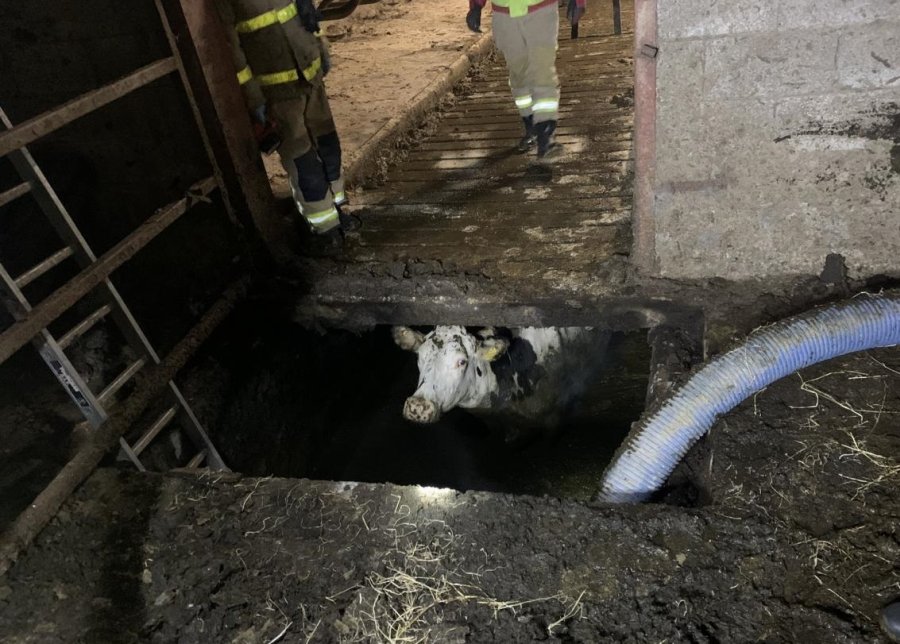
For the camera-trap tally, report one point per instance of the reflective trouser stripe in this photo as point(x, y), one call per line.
point(245, 75)
point(524, 104)
point(320, 220)
point(290, 75)
point(337, 190)
point(546, 106)
point(267, 19)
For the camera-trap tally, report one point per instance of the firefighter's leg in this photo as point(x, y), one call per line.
point(310, 187)
point(510, 39)
point(541, 31)
point(327, 142)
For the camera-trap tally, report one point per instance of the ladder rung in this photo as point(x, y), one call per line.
point(195, 462)
point(120, 380)
point(130, 455)
point(36, 271)
point(14, 193)
point(84, 326)
point(141, 444)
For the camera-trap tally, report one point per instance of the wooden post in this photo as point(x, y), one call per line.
point(198, 38)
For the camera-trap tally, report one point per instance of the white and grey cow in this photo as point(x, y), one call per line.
point(525, 379)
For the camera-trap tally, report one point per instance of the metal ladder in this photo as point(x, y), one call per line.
point(94, 407)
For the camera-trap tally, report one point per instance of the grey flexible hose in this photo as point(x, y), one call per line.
point(658, 442)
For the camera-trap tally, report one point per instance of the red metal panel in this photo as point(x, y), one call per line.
point(644, 252)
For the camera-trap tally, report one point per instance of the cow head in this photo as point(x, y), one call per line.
point(454, 370)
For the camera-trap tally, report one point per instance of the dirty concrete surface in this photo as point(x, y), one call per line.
point(790, 534)
point(795, 541)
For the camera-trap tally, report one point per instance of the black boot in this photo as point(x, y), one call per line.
point(325, 244)
point(527, 141)
point(547, 147)
point(349, 222)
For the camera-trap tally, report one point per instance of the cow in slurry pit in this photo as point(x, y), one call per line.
point(523, 380)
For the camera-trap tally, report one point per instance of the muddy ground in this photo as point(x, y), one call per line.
point(796, 539)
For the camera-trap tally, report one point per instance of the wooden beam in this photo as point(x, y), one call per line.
point(198, 36)
point(14, 193)
point(16, 336)
point(41, 125)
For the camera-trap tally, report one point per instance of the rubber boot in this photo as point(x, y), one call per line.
point(547, 147)
point(527, 141)
point(349, 222)
point(324, 244)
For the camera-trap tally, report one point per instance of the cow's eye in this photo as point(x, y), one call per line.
point(462, 362)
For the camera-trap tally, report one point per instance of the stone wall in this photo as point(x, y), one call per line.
point(778, 137)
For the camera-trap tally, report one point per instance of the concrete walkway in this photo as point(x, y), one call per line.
point(462, 213)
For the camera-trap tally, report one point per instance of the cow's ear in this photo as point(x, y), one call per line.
point(407, 339)
point(492, 348)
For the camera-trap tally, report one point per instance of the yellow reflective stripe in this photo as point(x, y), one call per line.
point(339, 197)
point(310, 72)
point(546, 106)
point(244, 75)
point(517, 8)
point(277, 78)
point(523, 101)
point(319, 218)
point(266, 19)
point(290, 75)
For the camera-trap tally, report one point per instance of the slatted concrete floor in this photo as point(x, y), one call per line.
point(464, 201)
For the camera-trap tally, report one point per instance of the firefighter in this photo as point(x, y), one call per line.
point(281, 61)
point(526, 32)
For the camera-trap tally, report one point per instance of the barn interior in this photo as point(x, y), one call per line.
point(202, 425)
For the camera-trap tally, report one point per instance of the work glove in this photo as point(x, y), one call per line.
point(259, 114)
point(309, 15)
point(265, 129)
point(575, 10)
point(473, 18)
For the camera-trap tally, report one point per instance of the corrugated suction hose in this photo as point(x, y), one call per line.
point(659, 441)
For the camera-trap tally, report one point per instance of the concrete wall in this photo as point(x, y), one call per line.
point(778, 136)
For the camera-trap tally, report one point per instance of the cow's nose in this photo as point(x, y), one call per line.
point(420, 410)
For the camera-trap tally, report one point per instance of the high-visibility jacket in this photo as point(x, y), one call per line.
point(518, 8)
point(274, 55)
